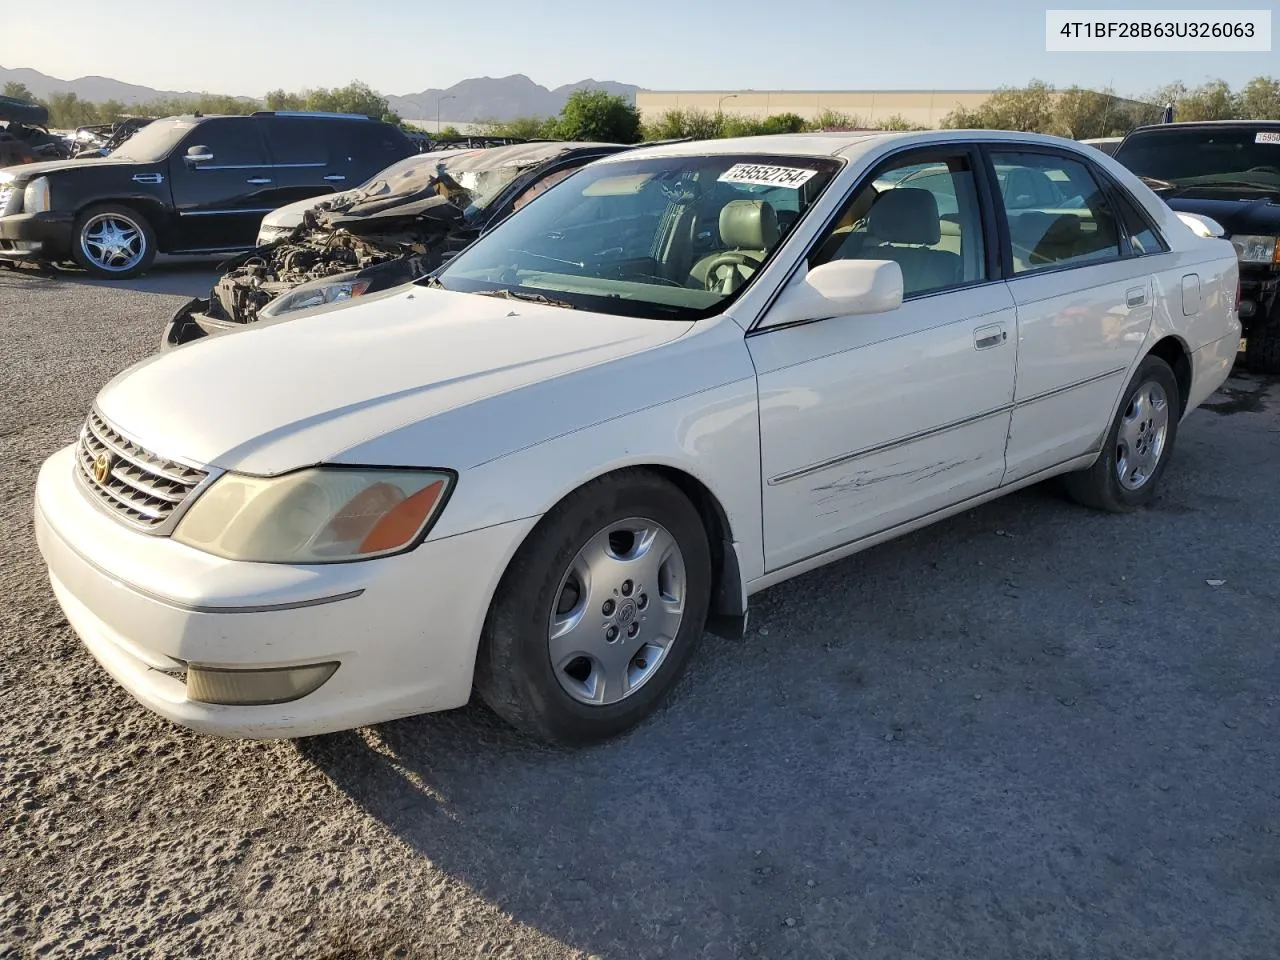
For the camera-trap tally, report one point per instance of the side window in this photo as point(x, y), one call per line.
point(1058, 214)
point(1143, 238)
point(233, 141)
point(296, 140)
point(924, 216)
point(370, 144)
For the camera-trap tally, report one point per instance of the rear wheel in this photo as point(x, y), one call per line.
point(596, 617)
point(1138, 444)
point(113, 242)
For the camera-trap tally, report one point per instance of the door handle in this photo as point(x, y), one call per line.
point(1135, 296)
point(335, 176)
point(258, 181)
point(992, 335)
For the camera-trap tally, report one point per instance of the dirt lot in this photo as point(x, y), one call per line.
point(1032, 731)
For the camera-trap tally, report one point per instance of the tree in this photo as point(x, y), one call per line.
point(600, 116)
point(897, 122)
point(828, 119)
point(1082, 114)
point(282, 100)
point(1211, 101)
point(521, 128)
point(449, 130)
point(19, 91)
point(1260, 99)
point(110, 111)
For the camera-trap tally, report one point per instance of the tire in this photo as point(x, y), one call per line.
point(1135, 446)
point(124, 247)
point(560, 690)
point(1262, 350)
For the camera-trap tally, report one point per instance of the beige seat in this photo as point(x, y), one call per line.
point(748, 230)
point(904, 226)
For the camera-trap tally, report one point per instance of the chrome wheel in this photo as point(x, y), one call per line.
point(617, 611)
point(1140, 441)
point(113, 242)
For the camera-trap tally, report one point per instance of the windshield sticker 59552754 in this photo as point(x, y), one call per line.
point(767, 175)
point(1267, 136)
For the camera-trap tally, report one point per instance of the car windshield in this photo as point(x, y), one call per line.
point(154, 141)
point(1206, 157)
point(481, 174)
point(674, 237)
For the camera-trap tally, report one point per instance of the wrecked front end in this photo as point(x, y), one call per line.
point(343, 249)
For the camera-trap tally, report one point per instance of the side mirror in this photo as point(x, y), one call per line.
point(837, 289)
point(1201, 225)
point(199, 154)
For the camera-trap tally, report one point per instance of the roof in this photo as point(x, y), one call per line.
point(1197, 124)
point(835, 144)
point(523, 154)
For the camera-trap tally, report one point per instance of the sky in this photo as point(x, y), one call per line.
point(247, 47)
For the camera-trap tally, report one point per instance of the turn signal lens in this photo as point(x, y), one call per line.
point(318, 515)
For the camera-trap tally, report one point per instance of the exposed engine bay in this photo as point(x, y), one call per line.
point(344, 234)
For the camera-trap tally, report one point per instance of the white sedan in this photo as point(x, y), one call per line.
point(687, 373)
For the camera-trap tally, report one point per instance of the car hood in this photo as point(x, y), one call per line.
point(289, 393)
point(1254, 215)
point(290, 215)
point(29, 171)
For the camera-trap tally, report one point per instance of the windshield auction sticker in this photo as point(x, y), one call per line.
point(1267, 136)
point(1226, 31)
point(764, 175)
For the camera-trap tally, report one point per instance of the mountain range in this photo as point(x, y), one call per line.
point(479, 98)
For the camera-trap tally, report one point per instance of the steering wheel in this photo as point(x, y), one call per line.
point(734, 258)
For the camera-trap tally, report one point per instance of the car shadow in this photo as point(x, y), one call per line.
point(169, 275)
point(838, 764)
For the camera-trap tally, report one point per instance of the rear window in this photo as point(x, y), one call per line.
point(1205, 155)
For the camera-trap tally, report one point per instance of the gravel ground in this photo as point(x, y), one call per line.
point(1032, 731)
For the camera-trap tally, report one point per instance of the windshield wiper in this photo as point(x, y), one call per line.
point(530, 297)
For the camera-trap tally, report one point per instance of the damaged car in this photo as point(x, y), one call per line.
point(393, 229)
point(25, 136)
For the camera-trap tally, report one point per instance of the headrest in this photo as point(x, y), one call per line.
point(905, 215)
point(749, 225)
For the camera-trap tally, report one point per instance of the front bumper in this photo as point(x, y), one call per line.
point(404, 629)
point(1259, 294)
point(36, 236)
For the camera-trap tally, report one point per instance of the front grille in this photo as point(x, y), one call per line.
point(138, 486)
point(7, 194)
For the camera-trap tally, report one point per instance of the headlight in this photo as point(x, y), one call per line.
point(1253, 249)
point(318, 296)
point(35, 199)
point(317, 515)
point(267, 233)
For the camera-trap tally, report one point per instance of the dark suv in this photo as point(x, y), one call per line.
point(191, 184)
point(1228, 170)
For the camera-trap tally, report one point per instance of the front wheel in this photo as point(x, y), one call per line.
point(1138, 444)
point(113, 242)
point(596, 617)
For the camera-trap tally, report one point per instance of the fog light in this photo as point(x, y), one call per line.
point(246, 688)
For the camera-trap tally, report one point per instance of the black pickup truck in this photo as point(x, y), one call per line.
point(1228, 170)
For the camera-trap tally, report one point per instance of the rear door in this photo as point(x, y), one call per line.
point(359, 149)
point(302, 153)
point(220, 200)
point(1084, 303)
